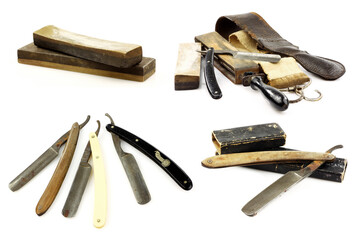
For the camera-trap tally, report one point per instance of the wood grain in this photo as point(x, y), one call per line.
point(57, 179)
point(264, 157)
point(111, 53)
point(187, 73)
point(33, 55)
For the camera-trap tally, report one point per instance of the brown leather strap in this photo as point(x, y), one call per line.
point(269, 39)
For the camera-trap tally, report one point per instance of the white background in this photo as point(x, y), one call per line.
point(39, 104)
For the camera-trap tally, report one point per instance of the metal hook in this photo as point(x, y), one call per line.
point(299, 90)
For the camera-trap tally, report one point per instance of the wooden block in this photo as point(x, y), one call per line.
point(187, 73)
point(33, 55)
point(232, 68)
point(111, 53)
point(250, 138)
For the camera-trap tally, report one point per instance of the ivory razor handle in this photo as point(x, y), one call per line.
point(265, 157)
point(100, 204)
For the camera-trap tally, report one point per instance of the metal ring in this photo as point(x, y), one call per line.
point(314, 99)
point(301, 97)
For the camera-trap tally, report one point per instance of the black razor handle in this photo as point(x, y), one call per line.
point(275, 96)
point(209, 74)
point(169, 166)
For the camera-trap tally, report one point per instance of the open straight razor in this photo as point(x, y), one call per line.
point(80, 181)
point(164, 162)
point(282, 185)
point(39, 164)
point(59, 174)
point(132, 170)
point(276, 98)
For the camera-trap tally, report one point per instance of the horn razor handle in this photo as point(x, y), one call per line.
point(164, 162)
point(275, 96)
point(209, 75)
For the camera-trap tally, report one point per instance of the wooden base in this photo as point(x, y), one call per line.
point(33, 55)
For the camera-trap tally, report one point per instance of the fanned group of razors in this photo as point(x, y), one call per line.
point(93, 150)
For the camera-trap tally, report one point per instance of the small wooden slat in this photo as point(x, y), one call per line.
point(232, 68)
point(122, 55)
point(33, 55)
point(187, 73)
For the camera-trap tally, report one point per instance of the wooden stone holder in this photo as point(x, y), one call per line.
point(33, 55)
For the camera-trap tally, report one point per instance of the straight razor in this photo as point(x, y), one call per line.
point(41, 162)
point(282, 185)
point(80, 181)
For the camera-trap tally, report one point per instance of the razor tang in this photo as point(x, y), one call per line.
point(41, 162)
point(282, 185)
point(165, 163)
point(80, 181)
